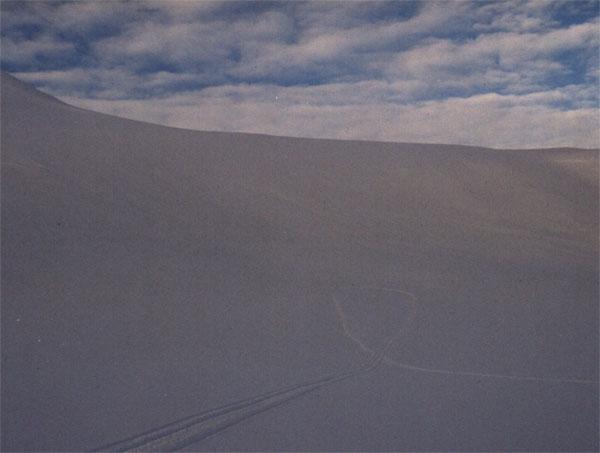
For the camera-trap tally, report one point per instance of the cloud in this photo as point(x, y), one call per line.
point(363, 111)
point(502, 61)
point(115, 83)
point(371, 70)
point(502, 49)
point(29, 51)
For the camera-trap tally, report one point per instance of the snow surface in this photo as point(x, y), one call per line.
point(165, 288)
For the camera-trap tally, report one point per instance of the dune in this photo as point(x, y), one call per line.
point(170, 289)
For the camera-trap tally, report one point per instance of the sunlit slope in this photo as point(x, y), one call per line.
point(151, 272)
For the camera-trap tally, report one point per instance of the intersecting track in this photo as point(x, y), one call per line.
point(195, 428)
point(410, 367)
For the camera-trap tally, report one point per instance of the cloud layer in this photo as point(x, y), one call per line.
point(503, 74)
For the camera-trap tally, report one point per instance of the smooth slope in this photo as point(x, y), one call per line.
point(151, 273)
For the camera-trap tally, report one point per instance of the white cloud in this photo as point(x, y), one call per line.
point(514, 16)
point(489, 120)
point(107, 83)
point(473, 73)
point(26, 51)
point(198, 44)
point(504, 61)
point(324, 41)
point(507, 48)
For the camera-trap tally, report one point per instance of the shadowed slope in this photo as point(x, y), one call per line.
point(150, 273)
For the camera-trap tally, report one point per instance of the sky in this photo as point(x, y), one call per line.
point(510, 74)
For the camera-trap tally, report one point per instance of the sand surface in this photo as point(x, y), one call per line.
point(170, 289)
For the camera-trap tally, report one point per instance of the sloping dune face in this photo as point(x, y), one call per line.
point(169, 289)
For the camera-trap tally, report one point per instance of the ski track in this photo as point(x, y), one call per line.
point(517, 377)
point(344, 323)
point(26, 165)
point(194, 428)
point(408, 366)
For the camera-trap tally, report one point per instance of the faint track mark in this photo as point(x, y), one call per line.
point(411, 367)
point(195, 428)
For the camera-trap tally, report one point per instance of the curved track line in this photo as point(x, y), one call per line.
point(346, 330)
point(26, 165)
point(487, 375)
point(408, 366)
